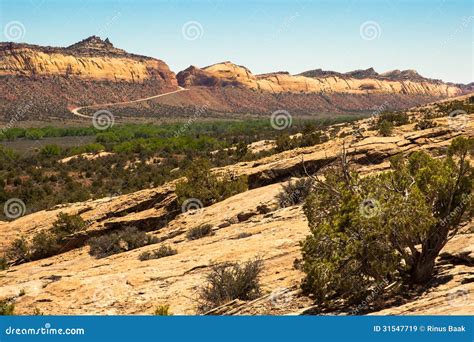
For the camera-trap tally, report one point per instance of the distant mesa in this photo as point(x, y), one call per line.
point(93, 71)
point(316, 81)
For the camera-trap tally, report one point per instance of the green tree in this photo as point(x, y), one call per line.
point(50, 150)
point(384, 227)
point(283, 143)
point(241, 150)
point(385, 128)
point(67, 224)
point(205, 186)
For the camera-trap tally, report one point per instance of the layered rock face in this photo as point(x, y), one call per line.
point(91, 59)
point(50, 81)
point(359, 82)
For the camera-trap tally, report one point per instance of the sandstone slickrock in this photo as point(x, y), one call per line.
point(76, 283)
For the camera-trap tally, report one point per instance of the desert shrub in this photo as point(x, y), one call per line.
point(396, 118)
point(308, 137)
point(118, 242)
point(46, 243)
point(68, 224)
point(449, 107)
point(241, 150)
point(229, 281)
point(88, 148)
point(385, 128)
point(294, 192)
point(203, 185)
point(385, 227)
point(6, 308)
point(199, 232)
point(161, 252)
point(425, 124)
point(163, 310)
point(3, 263)
point(50, 150)
point(387, 120)
point(284, 142)
point(18, 250)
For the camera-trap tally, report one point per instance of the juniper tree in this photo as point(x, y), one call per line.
point(390, 226)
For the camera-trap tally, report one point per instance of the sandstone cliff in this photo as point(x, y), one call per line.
point(91, 59)
point(368, 82)
point(50, 81)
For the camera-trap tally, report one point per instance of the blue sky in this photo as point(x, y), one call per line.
point(434, 37)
